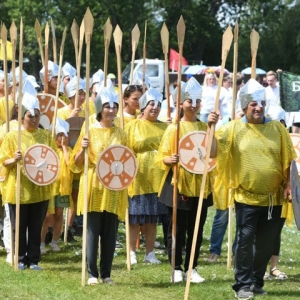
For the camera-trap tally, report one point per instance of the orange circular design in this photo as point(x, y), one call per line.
point(47, 107)
point(41, 164)
point(295, 137)
point(192, 152)
point(116, 167)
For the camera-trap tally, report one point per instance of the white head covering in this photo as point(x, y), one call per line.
point(71, 86)
point(32, 80)
point(1, 75)
point(61, 126)
point(106, 95)
point(100, 85)
point(68, 70)
point(191, 90)
point(52, 71)
point(175, 93)
point(17, 72)
point(252, 91)
point(97, 77)
point(29, 102)
point(150, 95)
point(138, 79)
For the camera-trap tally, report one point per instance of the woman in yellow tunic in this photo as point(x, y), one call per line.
point(106, 207)
point(34, 199)
point(144, 136)
point(65, 113)
point(188, 184)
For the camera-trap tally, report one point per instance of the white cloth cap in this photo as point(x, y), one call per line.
point(138, 79)
point(252, 91)
point(71, 86)
point(61, 126)
point(29, 102)
point(191, 90)
point(175, 93)
point(52, 71)
point(100, 85)
point(97, 77)
point(68, 70)
point(150, 95)
point(17, 74)
point(106, 95)
point(32, 80)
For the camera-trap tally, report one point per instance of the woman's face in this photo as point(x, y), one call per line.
point(188, 107)
point(133, 100)
point(211, 80)
point(31, 122)
point(108, 113)
point(81, 98)
point(151, 112)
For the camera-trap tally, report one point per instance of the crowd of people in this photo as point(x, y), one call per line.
point(251, 145)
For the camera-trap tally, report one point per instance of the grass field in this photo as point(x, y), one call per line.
point(61, 276)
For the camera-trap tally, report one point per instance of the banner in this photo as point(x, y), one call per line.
point(289, 91)
point(8, 50)
point(174, 60)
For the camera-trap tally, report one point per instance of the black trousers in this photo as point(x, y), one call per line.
point(185, 225)
point(105, 225)
point(31, 221)
point(254, 228)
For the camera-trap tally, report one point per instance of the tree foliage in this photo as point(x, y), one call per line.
point(276, 21)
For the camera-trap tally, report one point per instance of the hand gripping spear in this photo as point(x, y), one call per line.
point(227, 40)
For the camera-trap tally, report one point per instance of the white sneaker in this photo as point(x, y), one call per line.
point(150, 258)
point(133, 260)
point(195, 277)
point(177, 276)
point(54, 247)
point(8, 258)
point(43, 249)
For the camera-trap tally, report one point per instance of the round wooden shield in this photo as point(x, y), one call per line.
point(74, 130)
point(192, 152)
point(116, 167)
point(295, 137)
point(41, 164)
point(47, 106)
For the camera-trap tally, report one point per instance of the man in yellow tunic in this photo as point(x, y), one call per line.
point(254, 156)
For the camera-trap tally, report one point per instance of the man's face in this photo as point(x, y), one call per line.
point(271, 79)
point(255, 113)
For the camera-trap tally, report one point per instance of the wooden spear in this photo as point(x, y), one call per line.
point(46, 58)
point(18, 196)
point(88, 30)
point(227, 40)
point(118, 35)
point(54, 42)
point(135, 36)
point(13, 37)
point(180, 36)
point(61, 55)
point(254, 41)
point(234, 77)
point(144, 58)
point(107, 36)
point(164, 33)
point(38, 32)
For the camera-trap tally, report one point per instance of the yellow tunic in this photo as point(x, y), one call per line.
point(100, 198)
point(3, 109)
point(30, 192)
point(144, 138)
point(91, 107)
point(189, 184)
point(254, 161)
point(64, 98)
point(64, 113)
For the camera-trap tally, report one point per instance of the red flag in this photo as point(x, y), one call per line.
point(174, 60)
